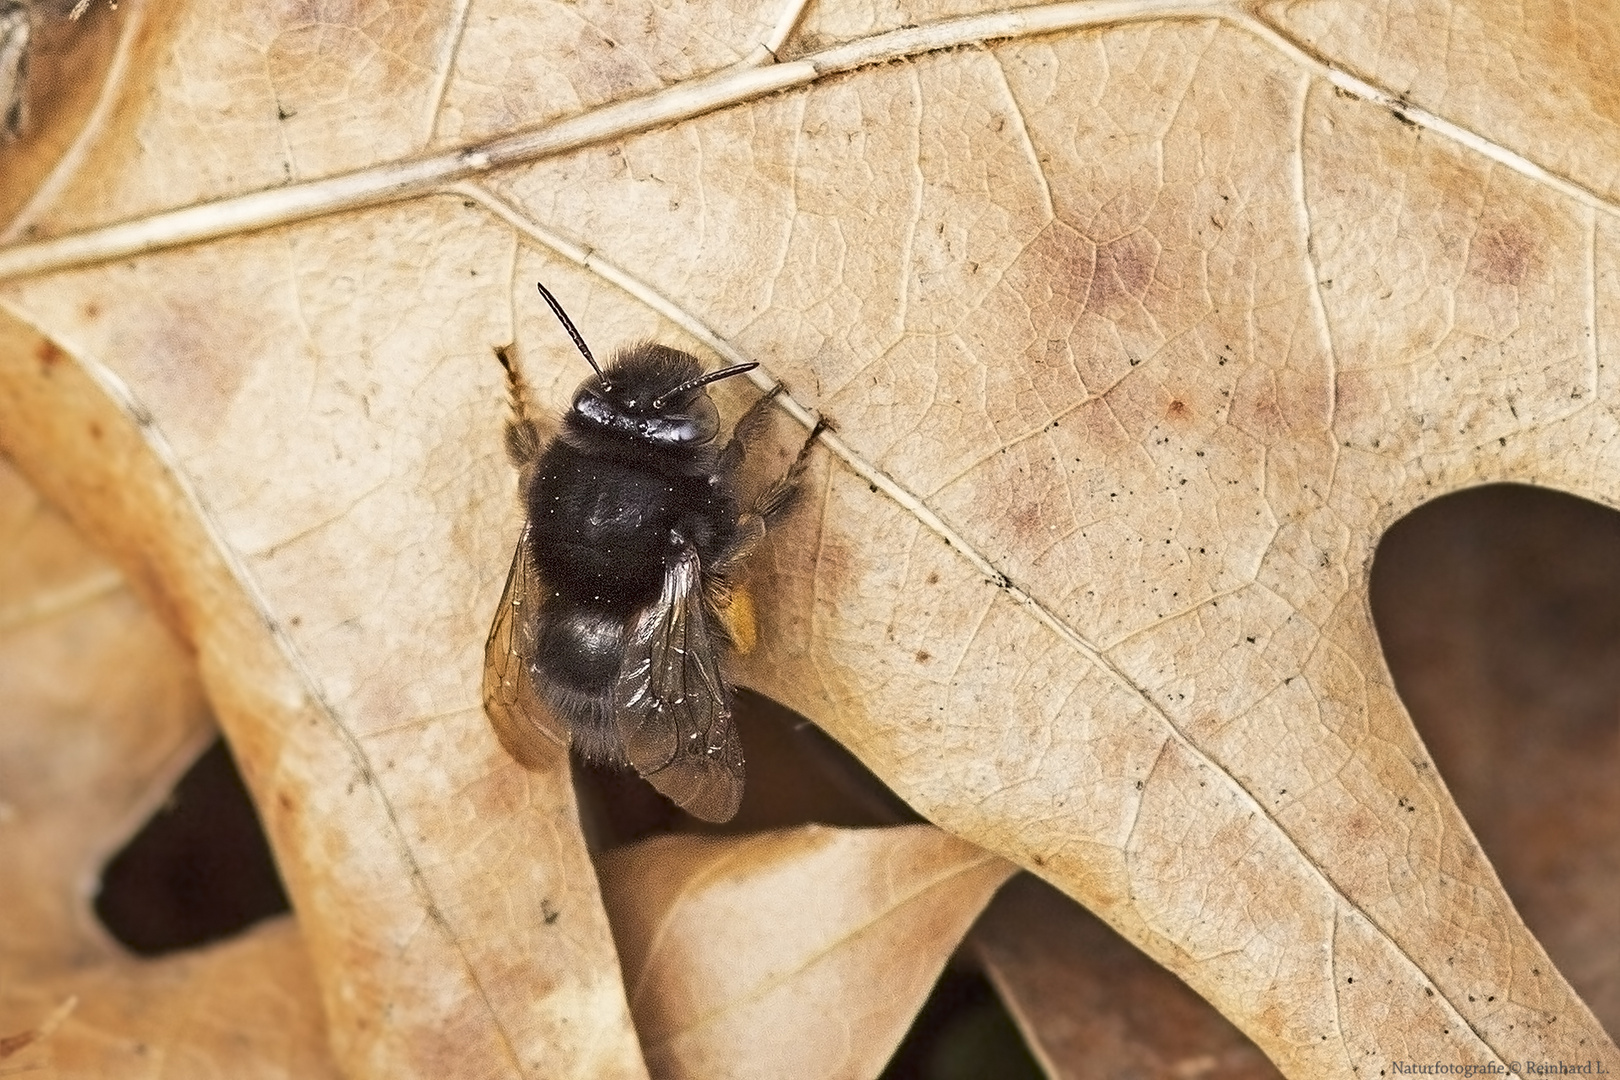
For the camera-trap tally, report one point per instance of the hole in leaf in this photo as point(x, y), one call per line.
point(1499, 613)
point(797, 774)
point(962, 1032)
point(198, 871)
point(1093, 1003)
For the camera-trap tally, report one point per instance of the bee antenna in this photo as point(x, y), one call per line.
point(568, 325)
point(703, 380)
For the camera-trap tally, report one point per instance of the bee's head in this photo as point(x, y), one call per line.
point(649, 393)
point(655, 394)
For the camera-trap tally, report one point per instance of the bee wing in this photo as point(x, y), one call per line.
point(526, 727)
point(672, 707)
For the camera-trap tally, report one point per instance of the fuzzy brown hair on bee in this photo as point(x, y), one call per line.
point(621, 605)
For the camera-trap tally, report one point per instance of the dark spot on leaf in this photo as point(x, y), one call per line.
point(1503, 255)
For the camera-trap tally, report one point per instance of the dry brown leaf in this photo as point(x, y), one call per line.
point(66, 60)
point(1500, 611)
point(1092, 1006)
point(431, 964)
point(1139, 325)
point(753, 956)
point(101, 712)
point(246, 1008)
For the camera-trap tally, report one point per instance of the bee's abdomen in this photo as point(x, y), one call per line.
point(578, 654)
point(581, 646)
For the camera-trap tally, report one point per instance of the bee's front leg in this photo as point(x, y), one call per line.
point(778, 500)
point(773, 504)
point(747, 428)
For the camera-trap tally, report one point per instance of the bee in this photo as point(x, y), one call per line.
point(622, 605)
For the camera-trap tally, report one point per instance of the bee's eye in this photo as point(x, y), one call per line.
point(699, 420)
point(694, 423)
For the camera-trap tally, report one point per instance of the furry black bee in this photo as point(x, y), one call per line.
point(621, 603)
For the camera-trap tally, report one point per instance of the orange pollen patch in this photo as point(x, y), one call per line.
point(738, 618)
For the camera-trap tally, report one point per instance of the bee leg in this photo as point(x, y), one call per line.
point(773, 504)
point(736, 618)
point(778, 500)
point(748, 426)
point(523, 441)
point(750, 531)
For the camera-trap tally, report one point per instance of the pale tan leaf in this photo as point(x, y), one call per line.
point(102, 711)
point(247, 1008)
point(1138, 323)
point(52, 72)
point(1500, 612)
point(1092, 1006)
point(801, 953)
point(1498, 609)
point(484, 953)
